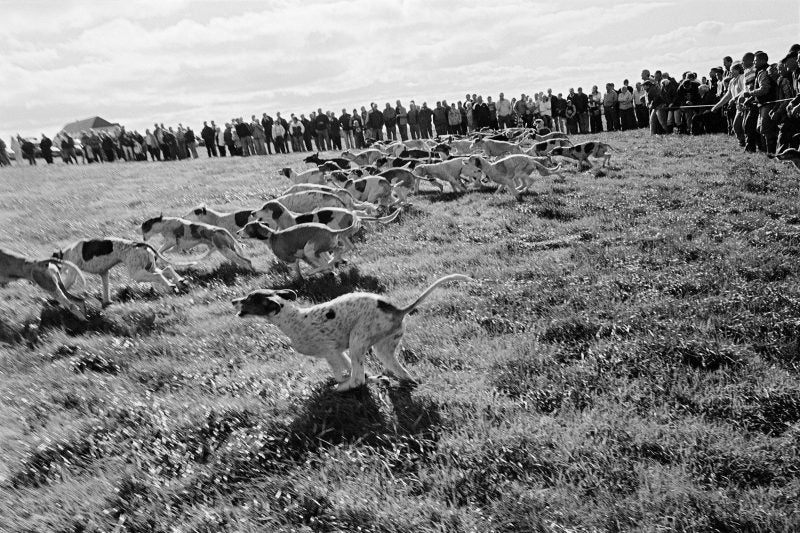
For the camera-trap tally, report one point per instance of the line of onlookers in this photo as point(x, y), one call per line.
point(752, 99)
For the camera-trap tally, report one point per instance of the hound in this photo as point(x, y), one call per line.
point(352, 322)
point(418, 144)
point(414, 153)
point(582, 151)
point(46, 274)
point(363, 158)
point(312, 243)
point(347, 199)
point(494, 148)
point(403, 181)
point(461, 146)
point(792, 155)
point(511, 170)
point(449, 171)
point(312, 175)
point(372, 189)
point(184, 235)
point(99, 256)
point(541, 148)
point(232, 222)
point(277, 217)
point(317, 160)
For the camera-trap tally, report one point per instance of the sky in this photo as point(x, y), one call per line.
point(137, 62)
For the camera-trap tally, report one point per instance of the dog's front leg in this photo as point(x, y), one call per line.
point(106, 288)
point(340, 365)
point(358, 376)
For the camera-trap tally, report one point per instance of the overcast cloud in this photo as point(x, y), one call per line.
point(144, 61)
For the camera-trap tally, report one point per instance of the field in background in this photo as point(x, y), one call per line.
point(628, 360)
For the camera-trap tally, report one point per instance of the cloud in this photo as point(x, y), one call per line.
point(157, 60)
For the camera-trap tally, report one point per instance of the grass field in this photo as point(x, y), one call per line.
point(627, 361)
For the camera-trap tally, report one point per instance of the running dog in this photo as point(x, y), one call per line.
point(312, 175)
point(312, 243)
point(582, 151)
point(363, 158)
point(512, 172)
point(449, 171)
point(232, 222)
point(45, 273)
point(183, 235)
point(353, 322)
point(99, 256)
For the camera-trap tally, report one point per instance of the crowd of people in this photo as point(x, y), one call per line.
point(752, 99)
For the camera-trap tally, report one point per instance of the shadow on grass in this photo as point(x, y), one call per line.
point(436, 196)
point(225, 273)
point(125, 323)
point(328, 286)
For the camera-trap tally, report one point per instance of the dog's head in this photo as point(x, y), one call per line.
point(256, 230)
point(263, 302)
point(151, 225)
point(199, 211)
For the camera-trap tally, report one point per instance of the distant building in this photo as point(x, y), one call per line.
point(93, 123)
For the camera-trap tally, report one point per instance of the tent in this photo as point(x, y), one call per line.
point(92, 123)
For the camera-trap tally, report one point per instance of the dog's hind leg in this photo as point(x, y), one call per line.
point(358, 376)
point(386, 351)
point(237, 259)
point(157, 277)
point(106, 288)
point(340, 365)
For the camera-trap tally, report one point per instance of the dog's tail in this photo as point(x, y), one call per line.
point(452, 277)
point(383, 220)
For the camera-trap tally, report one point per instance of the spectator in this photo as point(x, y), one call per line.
point(278, 131)
point(453, 120)
point(626, 109)
point(389, 121)
point(413, 120)
point(259, 136)
point(191, 142)
point(425, 118)
point(286, 136)
point(266, 123)
point(760, 131)
point(787, 125)
point(296, 129)
point(46, 146)
point(462, 126)
point(334, 128)
point(357, 125)
point(375, 123)
point(4, 160)
point(402, 120)
point(520, 109)
point(639, 106)
point(610, 107)
point(152, 146)
point(572, 118)
point(321, 126)
point(581, 101)
point(560, 113)
point(108, 147)
point(595, 104)
point(308, 132)
point(492, 112)
point(29, 150)
point(481, 113)
point(504, 111)
point(346, 122)
point(657, 107)
point(228, 138)
point(207, 134)
point(669, 88)
point(440, 121)
point(17, 149)
point(546, 109)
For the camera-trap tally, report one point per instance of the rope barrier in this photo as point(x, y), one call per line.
point(712, 105)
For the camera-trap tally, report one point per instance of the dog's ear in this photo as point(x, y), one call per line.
point(287, 294)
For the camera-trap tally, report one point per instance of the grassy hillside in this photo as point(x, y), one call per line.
point(628, 360)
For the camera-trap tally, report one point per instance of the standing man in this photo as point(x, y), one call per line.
point(219, 137)
point(402, 120)
point(503, 112)
point(321, 127)
point(191, 142)
point(425, 117)
point(46, 146)
point(208, 136)
point(227, 136)
point(259, 136)
point(581, 101)
point(389, 121)
point(413, 120)
point(296, 130)
point(375, 123)
point(266, 123)
point(346, 121)
point(760, 131)
point(307, 131)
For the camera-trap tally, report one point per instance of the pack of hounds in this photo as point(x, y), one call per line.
point(313, 222)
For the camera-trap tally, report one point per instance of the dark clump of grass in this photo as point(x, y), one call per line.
point(10, 333)
point(545, 386)
point(122, 323)
point(226, 273)
point(700, 353)
point(324, 288)
point(129, 293)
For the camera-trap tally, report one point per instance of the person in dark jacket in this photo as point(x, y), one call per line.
point(481, 114)
point(28, 150)
point(375, 124)
point(227, 136)
point(389, 121)
point(760, 131)
point(440, 118)
point(322, 128)
point(308, 132)
point(357, 125)
point(346, 121)
point(425, 117)
point(110, 151)
point(335, 131)
point(413, 120)
point(46, 146)
point(266, 123)
point(207, 134)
